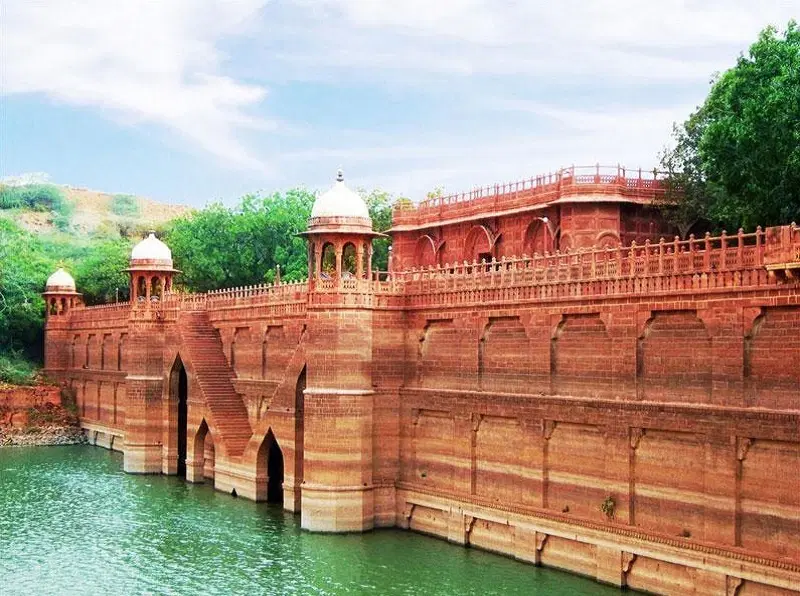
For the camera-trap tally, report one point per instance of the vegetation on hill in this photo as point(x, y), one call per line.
point(216, 247)
point(124, 205)
point(45, 198)
point(736, 160)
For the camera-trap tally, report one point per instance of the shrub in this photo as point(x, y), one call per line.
point(37, 197)
point(124, 205)
point(609, 506)
point(61, 222)
point(16, 370)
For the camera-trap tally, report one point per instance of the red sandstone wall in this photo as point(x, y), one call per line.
point(678, 401)
point(571, 226)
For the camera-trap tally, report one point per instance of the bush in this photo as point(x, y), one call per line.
point(37, 197)
point(16, 370)
point(61, 222)
point(124, 205)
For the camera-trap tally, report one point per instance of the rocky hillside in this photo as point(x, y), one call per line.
point(96, 211)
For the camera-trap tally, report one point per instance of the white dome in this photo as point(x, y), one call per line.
point(339, 201)
point(60, 281)
point(151, 249)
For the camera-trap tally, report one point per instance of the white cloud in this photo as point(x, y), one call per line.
point(161, 62)
point(142, 61)
point(672, 40)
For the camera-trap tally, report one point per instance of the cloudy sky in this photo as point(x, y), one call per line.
point(194, 100)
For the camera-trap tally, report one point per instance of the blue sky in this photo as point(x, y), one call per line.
point(195, 100)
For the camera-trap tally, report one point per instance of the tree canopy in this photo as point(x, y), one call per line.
point(24, 268)
point(736, 160)
point(221, 247)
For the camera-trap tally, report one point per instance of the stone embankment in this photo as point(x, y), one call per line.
point(41, 415)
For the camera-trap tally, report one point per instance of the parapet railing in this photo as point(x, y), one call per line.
point(279, 293)
point(595, 179)
point(100, 312)
point(705, 263)
point(763, 257)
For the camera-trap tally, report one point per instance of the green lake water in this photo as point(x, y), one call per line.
point(71, 522)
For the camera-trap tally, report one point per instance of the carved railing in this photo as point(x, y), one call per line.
point(100, 312)
point(764, 257)
point(695, 264)
point(279, 293)
point(637, 185)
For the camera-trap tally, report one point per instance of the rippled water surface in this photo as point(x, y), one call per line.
point(72, 522)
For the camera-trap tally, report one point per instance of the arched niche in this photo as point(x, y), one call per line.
point(479, 244)
point(327, 266)
point(607, 240)
point(539, 238)
point(425, 254)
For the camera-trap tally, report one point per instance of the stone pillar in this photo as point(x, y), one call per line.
point(337, 490)
point(144, 394)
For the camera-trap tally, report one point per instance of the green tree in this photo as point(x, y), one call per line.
point(736, 159)
point(24, 268)
point(102, 273)
point(218, 247)
point(379, 203)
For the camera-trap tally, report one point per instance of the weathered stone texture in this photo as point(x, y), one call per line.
point(628, 414)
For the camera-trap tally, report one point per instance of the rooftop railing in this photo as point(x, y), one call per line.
point(597, 179)
point(740, 260)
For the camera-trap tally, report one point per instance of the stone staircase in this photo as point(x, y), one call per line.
point(215, 378)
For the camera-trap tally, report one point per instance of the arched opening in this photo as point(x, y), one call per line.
point(425, 252)
point(478, 245)
point(204, 454)
point(327, 268)
point(539, 238)
point(179, 389)
point(141, 287)
point(349, 260)
point(270, 460)
point(156, 288)
point(299, 412)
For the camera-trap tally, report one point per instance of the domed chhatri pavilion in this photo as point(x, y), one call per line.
point(151, 269)
point(59, 293)
point(546, 371)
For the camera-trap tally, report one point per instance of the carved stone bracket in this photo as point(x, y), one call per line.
point(548, 426)
point(540, 539)
point(749, 316)
point(555, 325)
point(627, 561)
point(469, 523)
point(636, 436)
point(742, 447)
point(476, 422)
point(733, 585)
point(643, 317)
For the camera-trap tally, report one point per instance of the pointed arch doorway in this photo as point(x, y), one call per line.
point(270, 460)
point(179, 393)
